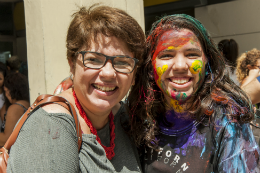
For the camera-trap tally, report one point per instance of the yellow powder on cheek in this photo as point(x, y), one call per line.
point(196, 66)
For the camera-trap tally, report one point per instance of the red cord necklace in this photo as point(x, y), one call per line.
point(109, 150)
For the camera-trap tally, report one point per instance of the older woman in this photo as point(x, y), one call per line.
point(104, 46)
point(189, 116)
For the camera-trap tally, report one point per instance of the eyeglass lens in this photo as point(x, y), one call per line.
point(121, 64)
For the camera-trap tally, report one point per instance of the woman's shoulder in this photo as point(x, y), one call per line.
point(15, 109)
point(230, 126)
point(22, 103)
point(55, 108)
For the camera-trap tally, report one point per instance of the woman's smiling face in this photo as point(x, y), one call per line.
point(99, 90)
point(179, 66)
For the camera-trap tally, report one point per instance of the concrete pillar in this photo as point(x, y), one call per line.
point(47, 22)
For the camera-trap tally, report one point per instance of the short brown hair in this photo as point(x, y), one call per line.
point(88, 23)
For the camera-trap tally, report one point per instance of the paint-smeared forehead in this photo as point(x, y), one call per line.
point(174, 39)
point(180, 33)
point(177, 38)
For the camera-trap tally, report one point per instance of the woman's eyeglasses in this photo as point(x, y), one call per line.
point(121, 63)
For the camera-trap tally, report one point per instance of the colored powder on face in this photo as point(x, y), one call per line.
point(196, 66)
point(178, 96)
point(176, 106)
point(178, 42)
point(159, 72)
point(181, 97)
point(171, 40)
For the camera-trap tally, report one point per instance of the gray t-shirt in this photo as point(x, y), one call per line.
point(47, 142)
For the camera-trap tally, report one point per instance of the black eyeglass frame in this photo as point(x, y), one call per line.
point(107, 58)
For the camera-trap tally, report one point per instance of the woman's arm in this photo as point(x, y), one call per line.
point(253, 91)
point(13, 114)
point(252, 75)
point(47, 142)
point(251, 85)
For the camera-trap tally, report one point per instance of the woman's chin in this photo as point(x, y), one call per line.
point(103, 105)
point(181, 96)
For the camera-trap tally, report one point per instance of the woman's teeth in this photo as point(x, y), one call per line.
point(104, 88)
point(180, 81)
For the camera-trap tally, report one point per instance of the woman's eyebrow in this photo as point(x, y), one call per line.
point(168, 50)
point(194, 50)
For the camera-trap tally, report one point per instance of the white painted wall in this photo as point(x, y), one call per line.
point(47, 22)
point(238, 20)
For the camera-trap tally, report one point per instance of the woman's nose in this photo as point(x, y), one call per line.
point(107, 70)
point(180, 63)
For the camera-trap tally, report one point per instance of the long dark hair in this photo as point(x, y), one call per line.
point(146, 101)
point(17, 84)
point(229, 49)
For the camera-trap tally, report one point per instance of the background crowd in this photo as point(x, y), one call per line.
point(14, 96)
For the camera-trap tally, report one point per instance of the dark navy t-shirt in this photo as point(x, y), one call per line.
point(226, 146)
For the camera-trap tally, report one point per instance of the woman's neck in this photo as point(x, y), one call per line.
point(179, 120)
point(98, 120)
point(178, 114)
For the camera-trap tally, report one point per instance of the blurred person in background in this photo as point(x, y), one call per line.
point(17, 92)
point(229, 49)
point(13, 64)
point(247, 72)
point(2, 96)
point(248, 65)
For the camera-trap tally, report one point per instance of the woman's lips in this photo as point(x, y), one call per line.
point(181, 82)
point(104, 90)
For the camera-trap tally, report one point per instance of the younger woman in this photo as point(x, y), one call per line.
point(186, 113)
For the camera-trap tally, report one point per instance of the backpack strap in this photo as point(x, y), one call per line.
point(39, 102)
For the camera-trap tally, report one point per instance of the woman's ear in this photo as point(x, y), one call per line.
point(72, 66)
point(133, 81)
